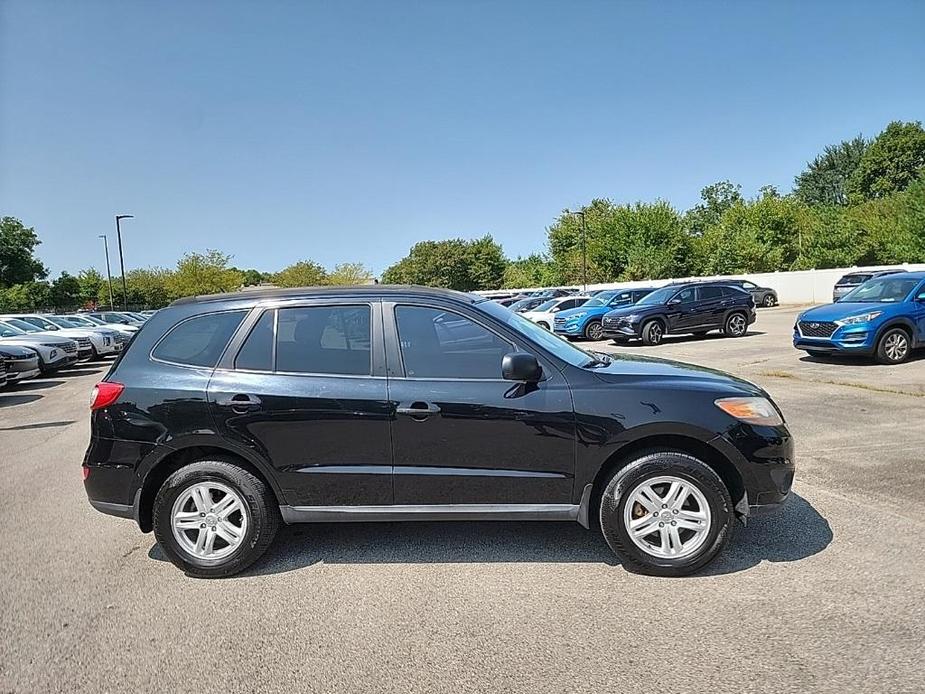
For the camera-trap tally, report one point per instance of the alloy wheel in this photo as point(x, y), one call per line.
point(768, 301)
point(209, 520)
point(667, 517)
point(595, 331)
point(655, 333)
point(737, 324)
point(896, 346)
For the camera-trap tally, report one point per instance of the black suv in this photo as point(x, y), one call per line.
point(696, 307)
point(230, 414)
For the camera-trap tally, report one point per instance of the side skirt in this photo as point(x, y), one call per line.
point(354, 514)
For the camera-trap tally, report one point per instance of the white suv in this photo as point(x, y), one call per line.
point(544, 314)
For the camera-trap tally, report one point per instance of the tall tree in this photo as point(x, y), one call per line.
point(18, 263)
point(717, 198)
point(891, 163)
point(66, 292)
point(533, 271)
point(351, 274)
point(305, 273)
point(92, 285)
point(204, 273)
point(825, 179)
point(454, 264)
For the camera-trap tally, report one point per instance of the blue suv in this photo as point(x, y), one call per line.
point(883, 318)
point(585, 321)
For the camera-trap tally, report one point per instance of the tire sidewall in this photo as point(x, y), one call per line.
point(881, 346)
point(729, 318)
point(645, 332)
point(590, 326)
point(259, 522)
point(615, 498)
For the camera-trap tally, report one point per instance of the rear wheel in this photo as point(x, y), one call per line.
point(894, 346)
point(594, 330)
point(653, 332)
point(736, 325)
point(213, 518)
point(666, 513)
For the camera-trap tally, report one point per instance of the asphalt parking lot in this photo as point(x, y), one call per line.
point(824, 596)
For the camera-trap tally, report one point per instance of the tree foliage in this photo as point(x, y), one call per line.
point(204, 273)
point(535, 270)
point(18, 263)
point(350, 274)
point(454, 263)
point(826, 178)
point(305, 273)
point(891, 163)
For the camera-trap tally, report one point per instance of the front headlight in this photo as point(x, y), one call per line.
point(751, 410)
point(863, 318)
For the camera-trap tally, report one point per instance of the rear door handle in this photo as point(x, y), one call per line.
point(418, 410)
point(240, 402)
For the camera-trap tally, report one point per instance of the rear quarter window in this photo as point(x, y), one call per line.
point(198, 341)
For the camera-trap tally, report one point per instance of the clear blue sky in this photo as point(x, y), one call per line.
point(342, 131)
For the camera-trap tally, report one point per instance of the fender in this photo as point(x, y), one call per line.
point(904, 321)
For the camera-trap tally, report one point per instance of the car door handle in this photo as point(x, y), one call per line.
point(241, 402)
point(418, 410)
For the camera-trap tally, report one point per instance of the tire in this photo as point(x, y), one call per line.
point(543, 324)
point(594, 331)
point(96, 355)
point(256, 522)
point(736, 324)
point(894, 346)
point(695, 549)
point(768, 301)
point(652, 332)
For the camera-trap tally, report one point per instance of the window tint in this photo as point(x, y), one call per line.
point(710, 293)
point(686, 295)
point(257, 351)
point(749, 285)
point(324, 340)
point(622, 298)
point(199, 341)
point(440, 344)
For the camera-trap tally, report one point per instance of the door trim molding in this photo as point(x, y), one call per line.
point(423, 512)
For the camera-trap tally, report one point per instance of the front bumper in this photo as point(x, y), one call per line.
point(847, 339)
point(65, 359)
point(573, 328)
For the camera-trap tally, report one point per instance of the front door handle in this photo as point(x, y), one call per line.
point(418, 410)
point(241, 402)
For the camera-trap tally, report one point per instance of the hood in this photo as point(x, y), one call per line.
point(12, 350)
point(35, 339)
point(843, 309)
point(633, 308)
point(665, 373)
point(572, 312)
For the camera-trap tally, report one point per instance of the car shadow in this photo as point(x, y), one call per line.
point(680, 339)
point(797, 531)
point(36, 385)
point(8, 400)
point(852, 360)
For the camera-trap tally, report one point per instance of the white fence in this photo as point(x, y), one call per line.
point(799, 287)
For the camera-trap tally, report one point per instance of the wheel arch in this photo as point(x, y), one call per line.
point(897, 322)
point(680, 443)
point(181, 456)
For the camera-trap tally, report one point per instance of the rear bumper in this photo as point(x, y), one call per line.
point(111, 509)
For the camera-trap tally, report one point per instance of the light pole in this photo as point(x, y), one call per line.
point(112, 306)
point(584, 248)
point(119, 218)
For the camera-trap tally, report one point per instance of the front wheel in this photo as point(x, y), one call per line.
point(594, 330)
point(736, 325)
point(213, 518)
point(543, 324)
point(666, 514)
point(652, 333)
point(893, 347)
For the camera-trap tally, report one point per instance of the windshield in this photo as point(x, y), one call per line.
point(79, 322)
point(659, 296)
point(7, 330)
point(94, 320)
point(882, 290)
point(854, 279)
point(546, 305)
point(601, 299)
point(25, 326)
point(559, 346)
point(60, 322)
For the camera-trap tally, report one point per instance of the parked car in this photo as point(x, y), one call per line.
point(445, 406)
point(508, 302)
point(137, 316)
point(853, 280)
point(527, 304)
point(763, 296)
point(4, 369)
point(88, 342)
point(87, 321)
point(116, 317)
point(676, 309)
point(544, 315)
point(883, 318)
point(22, 362)
point(54, 352)
point(148, 313)
point(585, 321)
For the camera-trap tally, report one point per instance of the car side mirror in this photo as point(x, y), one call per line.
point(674, 301)
point(520, 366)
point(921, 297)
point(555, 309)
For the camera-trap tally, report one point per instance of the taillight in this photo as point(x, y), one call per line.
point(86, 472)
point(105, 394)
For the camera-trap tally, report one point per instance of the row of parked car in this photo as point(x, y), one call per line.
point(874, 313)
point(34, 344)
point(648, 313)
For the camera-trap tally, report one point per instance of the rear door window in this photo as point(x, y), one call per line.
point(256, 354)
point(199, 341)
point(709, 293)
point(324, 340)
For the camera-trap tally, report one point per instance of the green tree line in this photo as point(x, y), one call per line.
point(858, 202)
